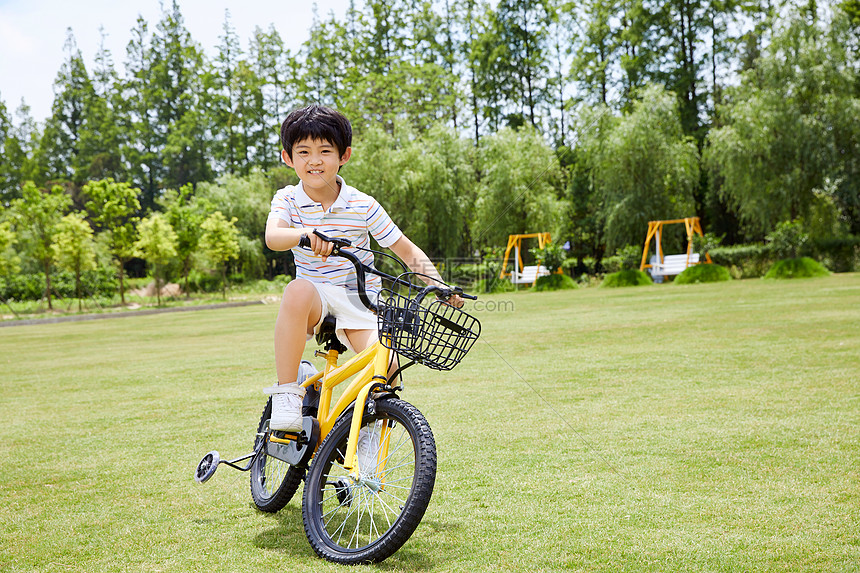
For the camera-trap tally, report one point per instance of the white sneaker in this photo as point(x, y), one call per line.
point(367, 451)
point(286, 407)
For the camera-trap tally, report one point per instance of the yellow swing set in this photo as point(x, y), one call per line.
point(522, 274)
point(661, 265)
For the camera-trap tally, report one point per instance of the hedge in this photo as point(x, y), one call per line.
point(101, 282)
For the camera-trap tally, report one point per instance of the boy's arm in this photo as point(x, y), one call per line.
point(419, 262)
point(280, 236)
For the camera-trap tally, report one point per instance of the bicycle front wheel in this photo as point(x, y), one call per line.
point(273, 481)
point(367, 516)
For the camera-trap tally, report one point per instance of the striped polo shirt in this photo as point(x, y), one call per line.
point(354, 216)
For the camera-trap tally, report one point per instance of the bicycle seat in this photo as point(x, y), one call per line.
point(326, 335)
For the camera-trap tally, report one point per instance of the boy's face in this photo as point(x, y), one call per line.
point(316, 163)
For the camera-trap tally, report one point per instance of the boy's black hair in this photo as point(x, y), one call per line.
point(316, 122)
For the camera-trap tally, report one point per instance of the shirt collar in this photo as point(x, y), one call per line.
point(342, 201)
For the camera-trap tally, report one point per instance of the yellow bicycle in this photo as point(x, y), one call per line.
point(368, 460)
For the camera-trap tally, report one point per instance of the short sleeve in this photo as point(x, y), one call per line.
point(380, 225)
point(280, 208)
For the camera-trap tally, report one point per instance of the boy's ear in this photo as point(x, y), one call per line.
point(286, 158)
point(346, 155)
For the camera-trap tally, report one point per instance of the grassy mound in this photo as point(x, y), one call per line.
point(631, 277)
point(703, 274)
point(799, 268)
point(554, 282)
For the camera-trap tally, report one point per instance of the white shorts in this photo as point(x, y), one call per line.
point(347, 308)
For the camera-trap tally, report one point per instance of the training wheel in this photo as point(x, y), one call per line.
point(207, 466)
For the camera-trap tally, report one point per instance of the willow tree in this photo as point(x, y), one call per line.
point(645, 168)
point(790, 134)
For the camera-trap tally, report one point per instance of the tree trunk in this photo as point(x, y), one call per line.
point(78, 287)
point(157, 287)
point(121, 283)
point(47, 265)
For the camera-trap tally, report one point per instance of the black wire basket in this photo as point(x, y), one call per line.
point(429, 331)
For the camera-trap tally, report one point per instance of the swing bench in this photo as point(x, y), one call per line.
point(523, 274)
point(660, 265)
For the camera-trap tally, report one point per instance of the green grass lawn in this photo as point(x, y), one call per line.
point(711, 427)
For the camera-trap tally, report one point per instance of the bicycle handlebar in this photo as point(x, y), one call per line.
point(362, 269)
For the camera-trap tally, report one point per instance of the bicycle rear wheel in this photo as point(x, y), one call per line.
point(273, 481)
point(365, 520)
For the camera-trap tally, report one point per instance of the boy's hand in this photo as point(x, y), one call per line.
point(456, 301)
point(320, 247)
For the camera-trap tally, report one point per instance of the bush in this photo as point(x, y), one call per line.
point(703, 273)
point(631, 257)
point(838, 254)
point(100, 282)
point(554, 282)
point(743, 261)
point(552, 256)
point(788, 240)
point(630, 277)
point(704, 244)
point(203, 282)
point(798, 268)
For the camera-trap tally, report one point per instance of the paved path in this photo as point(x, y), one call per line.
point(122, 314)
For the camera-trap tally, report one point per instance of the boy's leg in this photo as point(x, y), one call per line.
point(362, 339)
point(300, 312)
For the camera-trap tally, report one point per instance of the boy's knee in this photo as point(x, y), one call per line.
point(300, 294)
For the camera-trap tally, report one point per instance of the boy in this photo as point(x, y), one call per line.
point(316, 142)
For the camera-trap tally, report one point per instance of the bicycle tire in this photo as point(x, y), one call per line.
point(350, 522)
point(273, 482)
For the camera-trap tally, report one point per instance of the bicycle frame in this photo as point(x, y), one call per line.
point(367, 369)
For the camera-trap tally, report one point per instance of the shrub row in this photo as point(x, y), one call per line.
point(101, 282)
point(839, 255)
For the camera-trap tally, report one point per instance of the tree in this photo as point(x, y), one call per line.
point(219, 242)
point(789, 136)
point(75, 248)
point(425, 182)
point(13, 153)
point(521, 181)
point(645, 169)
point(180, 123)
point(157, 244)
point(185, 214)
point(102, 138)
point(273, 64)
point(114, 208)
point(236, 101)
point(143, 141)
point(37, 217)
point(513, 62)
point(595, 48)
point(9, 259)
point(61, 153)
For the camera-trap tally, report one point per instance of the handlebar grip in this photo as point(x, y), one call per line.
point(305, 241)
